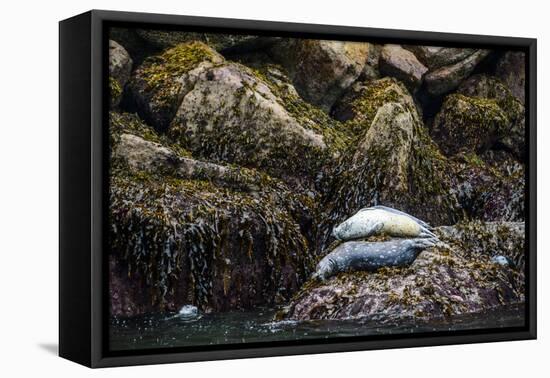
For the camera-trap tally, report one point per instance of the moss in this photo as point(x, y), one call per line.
point(115, 91)
point(469, 123)
point(159, 71)
point(130, 123)
point(360, 107)
point(158, 77)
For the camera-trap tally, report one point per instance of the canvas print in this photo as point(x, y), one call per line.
point(266, 189)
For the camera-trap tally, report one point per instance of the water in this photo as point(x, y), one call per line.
point(162, 331)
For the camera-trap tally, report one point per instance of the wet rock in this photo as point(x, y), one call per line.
point(511, 70)
point(120, 66)
point(469, 124)
point(443, 280)
point(447, 78)
point(435, 57)
point(487, 87)
point(191, 232)
point(402, 64)
point(489, 190)
point(321, 70)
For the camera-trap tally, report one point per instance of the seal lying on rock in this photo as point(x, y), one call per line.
point(378, 220)
point(363, 256)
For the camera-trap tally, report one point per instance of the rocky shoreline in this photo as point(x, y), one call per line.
point(233, 158)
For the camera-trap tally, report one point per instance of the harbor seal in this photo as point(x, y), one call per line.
point(364, 256)
point(379, 220)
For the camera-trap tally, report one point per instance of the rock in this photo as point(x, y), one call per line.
point(448, 78)
point(359, 105)
point(442, 281)
point(132, 43)
point(486, 87)
point(120, 66)
point(200, 234)
point(402, 64)
point(142, 155)
point(321, 70)
point(489, 190)
point(489, 239)
point(160, 83)
point(226, 112)
point(224, 43)
point(469, 124)
point(511, 70)
point(435, 57)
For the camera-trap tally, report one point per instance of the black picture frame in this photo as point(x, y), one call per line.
point(83, 152)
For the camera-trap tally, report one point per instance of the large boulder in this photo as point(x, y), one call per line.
point(511, 70)
point(321, 70)
point(453, 278)
point(447, 78)
point(226, 112)
point(402, 64)
point(469, 124)
point(487, 87)
point(190, 232)
point(120, 66)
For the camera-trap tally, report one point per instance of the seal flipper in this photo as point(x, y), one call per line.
point(395, 211)
point(426, 233)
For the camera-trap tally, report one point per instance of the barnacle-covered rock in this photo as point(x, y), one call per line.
point(120, 66)
point(402, 64)
point(190, 232)
point(321, 70)
point(447, 78)
point(449, 279)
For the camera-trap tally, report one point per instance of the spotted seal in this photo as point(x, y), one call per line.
point(378, 220)
point(364, 256)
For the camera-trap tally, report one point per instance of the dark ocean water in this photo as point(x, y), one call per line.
point(162, 331)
